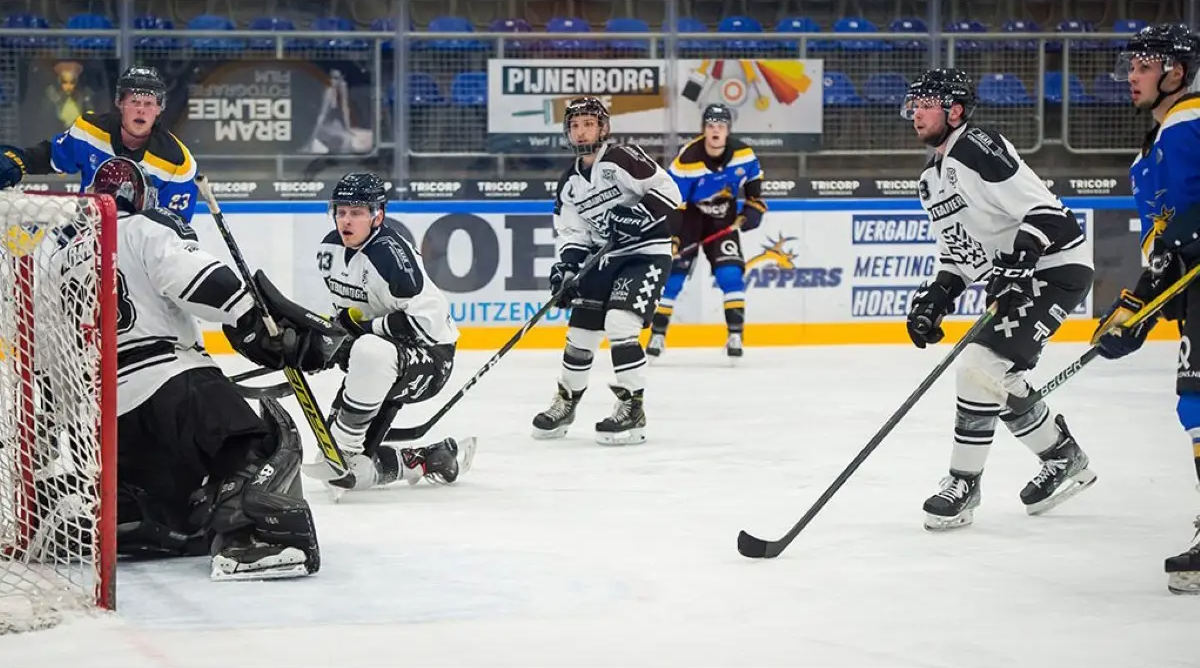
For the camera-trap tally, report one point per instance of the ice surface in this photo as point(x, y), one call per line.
point(568, 553)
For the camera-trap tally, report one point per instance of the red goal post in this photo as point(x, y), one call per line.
point(58, 406)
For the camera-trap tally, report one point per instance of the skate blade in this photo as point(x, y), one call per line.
point(547, 434)
point(1074, 485)
point(628, 437)
point(937, 523)
point(287, 564)
point(466, 454)
point(1185, 583)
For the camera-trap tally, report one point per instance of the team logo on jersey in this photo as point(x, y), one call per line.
point(962, 248)
point(776, 266)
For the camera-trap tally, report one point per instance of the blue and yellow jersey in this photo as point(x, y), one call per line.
point(94, 138)
point(1165, 176)
point(713, 185)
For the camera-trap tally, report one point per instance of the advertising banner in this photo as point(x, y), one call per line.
point(775, 103)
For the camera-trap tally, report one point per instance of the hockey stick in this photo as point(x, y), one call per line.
point(412, 433)
point(693, 247)
point(1020, 405)
point(300, 387)
point(757, 548)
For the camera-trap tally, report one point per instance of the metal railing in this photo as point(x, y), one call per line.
point(406, 92)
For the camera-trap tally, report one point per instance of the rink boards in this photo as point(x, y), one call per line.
point(817, 271)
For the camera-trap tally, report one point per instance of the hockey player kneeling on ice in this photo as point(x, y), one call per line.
point(995, 220)
point(618, 194)
point(401, 345)
point(199, 472)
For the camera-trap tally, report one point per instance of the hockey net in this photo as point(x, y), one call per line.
point(58, 328)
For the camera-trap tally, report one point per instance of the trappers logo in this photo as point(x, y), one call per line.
point(776, 266)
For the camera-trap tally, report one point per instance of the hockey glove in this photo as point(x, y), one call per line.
point(1115, 341)
point(561, 280)
point(931, 303)
point(628, 222)
point(12, 166)
point(1010, 283)
point(751, 215)
point(351, 320)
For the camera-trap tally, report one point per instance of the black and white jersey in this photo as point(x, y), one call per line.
point(386, 279)
point(980, 193)
point(620, 175)
point(165, 281)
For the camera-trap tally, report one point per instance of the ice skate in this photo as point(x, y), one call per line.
point(441, 463)
point(1183, 570)
point(733, 347)
point(656, 345)
point(1064, 474)
point(247, 558)
point(554, 421)
point(627, 424)
point(953, 506)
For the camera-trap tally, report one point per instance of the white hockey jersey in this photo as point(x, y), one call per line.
point(620, 175)
point(980, 193)
point(388, 282)
point(165, 281)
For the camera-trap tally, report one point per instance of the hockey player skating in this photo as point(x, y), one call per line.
point(131, 130)
point(617, 193)
point(198, 471)
point(401, 345)
point(996, 221)
point(1160, 64)
point(711, 171)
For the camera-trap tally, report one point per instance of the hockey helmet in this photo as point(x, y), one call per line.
point(945, 86)
point(586, 106)
point(1172, 44)
point(126, 182)
point(717, 113)
point(359, 189)
point(142, 80)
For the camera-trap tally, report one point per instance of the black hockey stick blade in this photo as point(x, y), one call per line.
point(400, 434)
point(757, 548)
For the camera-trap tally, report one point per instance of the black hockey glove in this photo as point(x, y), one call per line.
point(751, 215)
point(12, 166)
point(629, 221)
point(1010, 282)
point(562, 276)
point(1118, 342)
point(350, 319)
point(931, 303)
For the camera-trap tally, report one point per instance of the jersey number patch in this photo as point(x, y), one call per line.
point(126, 315)
point(325, 261)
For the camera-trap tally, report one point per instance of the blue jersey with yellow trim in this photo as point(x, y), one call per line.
point(165, 160)
point(1165, 176)
point(713, 185)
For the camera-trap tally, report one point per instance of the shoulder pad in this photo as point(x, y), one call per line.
point(166, 146)
point(170, 220)
point(631, 158)
point(396, 263)
point(693, 151)
point(983, 152)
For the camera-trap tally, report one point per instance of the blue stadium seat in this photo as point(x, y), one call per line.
point(795, 24)
point(1110, 91)
point(1073, 26)
point(453, 24)
point(912, 25)
point(687, 24)
point(90, 22)
point(512, 25)
point(152, 22)
point(469, 89)
point(886, 89)
point(27, 21)
point(858, 25)
point(1003, 90)
point(423, 91)
point(270, 24)
point(840, 92)
point(337, 24)
point(968, 27)
point(213, 22)
point(1020, 26)
point(742, 25)
point(1125, 26)
point(568, 24)
point(1053, 85)
point(628, 25)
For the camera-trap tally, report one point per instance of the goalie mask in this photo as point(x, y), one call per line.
point(125, 181)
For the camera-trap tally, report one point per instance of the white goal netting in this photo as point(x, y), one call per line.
point(58, 326)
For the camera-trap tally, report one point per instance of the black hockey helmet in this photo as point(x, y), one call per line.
point(1172, 44)
point(586, 106)
point(126, 182)
point(948, 86)
point(359, 189)
point(142, 80)
point(717, 113)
